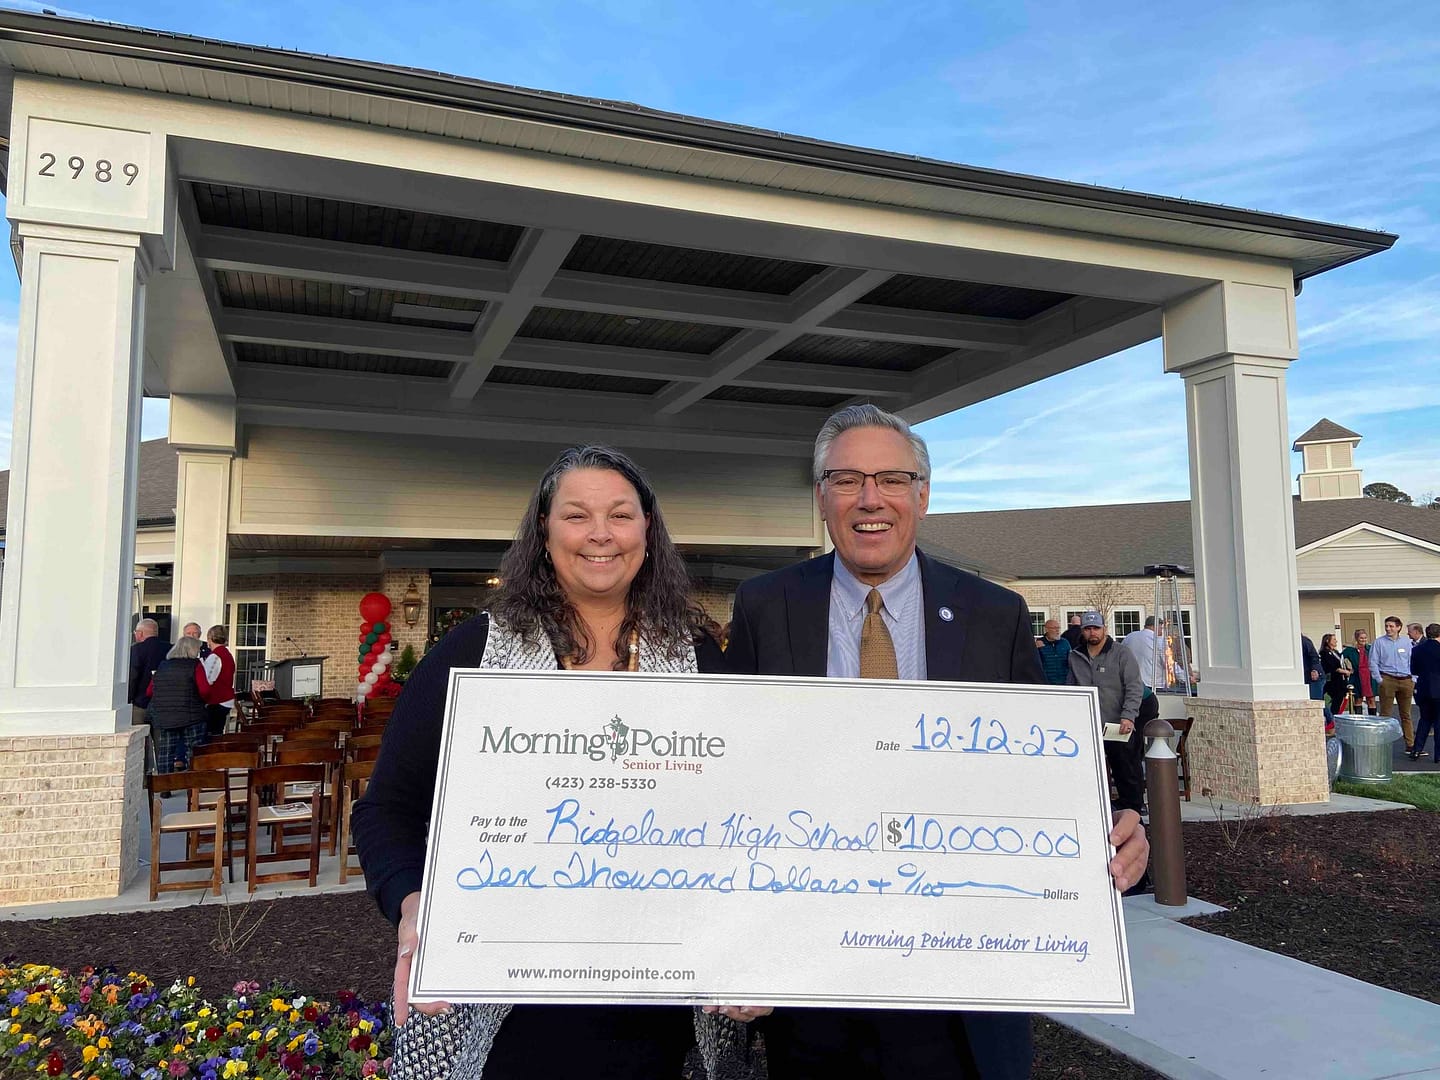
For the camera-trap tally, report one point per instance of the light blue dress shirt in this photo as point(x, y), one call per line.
point(904, 615)
point(1387, 657)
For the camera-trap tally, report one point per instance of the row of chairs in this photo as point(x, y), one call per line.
point(291, 771)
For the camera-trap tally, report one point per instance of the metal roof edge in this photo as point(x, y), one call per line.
point(628, 119)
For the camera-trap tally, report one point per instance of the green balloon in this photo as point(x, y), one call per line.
point(380, 628)
point(371, 638)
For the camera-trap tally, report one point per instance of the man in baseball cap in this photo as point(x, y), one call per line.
point(1101, 663)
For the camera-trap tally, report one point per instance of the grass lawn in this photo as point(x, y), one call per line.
point(1420, 790)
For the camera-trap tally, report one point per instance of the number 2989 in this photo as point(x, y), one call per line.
point(102, 170)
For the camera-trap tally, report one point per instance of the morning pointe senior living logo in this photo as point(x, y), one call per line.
point(614, 741)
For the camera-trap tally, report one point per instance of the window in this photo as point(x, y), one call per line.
point(249, 622)
point(1037, 621)
point(159, 609)
point(1187, 630)
point(1126, 620)
point(1073, 613)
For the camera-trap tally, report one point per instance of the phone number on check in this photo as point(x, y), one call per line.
point(599, 783)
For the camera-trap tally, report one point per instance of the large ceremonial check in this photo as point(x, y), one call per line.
point(602, 837)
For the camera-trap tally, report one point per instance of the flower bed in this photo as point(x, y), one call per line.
point(100, 1026)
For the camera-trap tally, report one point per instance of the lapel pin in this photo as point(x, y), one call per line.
point(946, 614)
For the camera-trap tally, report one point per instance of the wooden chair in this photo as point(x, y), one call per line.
point(357, 744)
point(357, 779)
point(1182, 751)
point(191, 821)
point(329, 756)
point(263, 810)
point(237, 765)
point(379, 708)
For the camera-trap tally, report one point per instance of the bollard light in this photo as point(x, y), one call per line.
point(1167, 846)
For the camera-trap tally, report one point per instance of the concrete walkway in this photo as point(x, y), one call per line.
point(1208, 1008)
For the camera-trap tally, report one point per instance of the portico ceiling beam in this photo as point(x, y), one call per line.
point(246, 251)
point(345, 335)
point(814, 302)
point(440, 275)
point(346, 401)
point(537, 257)
point(393, 339)
point(1074, 333)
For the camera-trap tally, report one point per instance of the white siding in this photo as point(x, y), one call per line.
point(294, 482)
point(1366, 559)
point(1319, 612)
point(154, 546)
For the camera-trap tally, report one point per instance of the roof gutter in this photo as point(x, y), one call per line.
point(627, 119)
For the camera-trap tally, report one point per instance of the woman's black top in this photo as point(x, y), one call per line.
point(391, 820)
point(176, 701)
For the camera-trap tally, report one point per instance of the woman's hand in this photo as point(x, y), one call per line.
point(408, 940)
point(742, 1013)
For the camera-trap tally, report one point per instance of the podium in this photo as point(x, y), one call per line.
point(298, 677)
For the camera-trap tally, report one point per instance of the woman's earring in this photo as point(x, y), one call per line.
point(547, 555)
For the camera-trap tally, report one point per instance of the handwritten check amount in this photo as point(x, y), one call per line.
point(602, 837)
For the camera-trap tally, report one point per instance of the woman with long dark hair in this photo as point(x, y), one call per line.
point(1337, 672)
point(592, 582)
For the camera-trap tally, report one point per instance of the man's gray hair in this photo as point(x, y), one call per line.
point(150, 626)
point(1416, 626)
point(187, 648)
point(867, 416)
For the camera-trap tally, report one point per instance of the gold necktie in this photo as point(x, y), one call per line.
point(877, 648)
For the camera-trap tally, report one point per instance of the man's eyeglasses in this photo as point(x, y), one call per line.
point(850, 481)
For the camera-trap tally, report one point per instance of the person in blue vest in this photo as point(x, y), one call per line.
point(1054, 654)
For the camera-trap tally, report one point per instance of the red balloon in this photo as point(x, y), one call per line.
point(384, 639)
point(366, 627)
point(374, 607)
point(363, 635)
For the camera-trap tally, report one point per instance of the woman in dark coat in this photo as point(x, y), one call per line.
point(592, 582)
point(1337, 672)
point(176, 713)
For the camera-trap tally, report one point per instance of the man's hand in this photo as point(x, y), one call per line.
point(1132, 849)
point(1126, 726)
point(408, 940)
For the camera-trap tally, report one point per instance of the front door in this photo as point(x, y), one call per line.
point(1350, 621)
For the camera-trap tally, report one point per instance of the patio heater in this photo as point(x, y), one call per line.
point(1172, 660)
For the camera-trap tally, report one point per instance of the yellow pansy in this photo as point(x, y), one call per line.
point(103, 1042)
point(89, 1054)
point(254, 1036)
point(235, 1068)
point(277, 1005)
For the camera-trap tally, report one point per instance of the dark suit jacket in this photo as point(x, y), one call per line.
point(145, 657)
point(781, 627)
point(1425, 666)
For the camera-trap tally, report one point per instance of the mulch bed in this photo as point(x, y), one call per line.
point(1350, 892)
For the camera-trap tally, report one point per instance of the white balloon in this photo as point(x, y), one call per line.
point(377, 668)
point(371, 678)
point(362, 689)
point(387, 657)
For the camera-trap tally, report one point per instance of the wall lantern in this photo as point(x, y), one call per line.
point(410, 604)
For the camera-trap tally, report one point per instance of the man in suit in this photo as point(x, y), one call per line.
point(1425, 666)
point(145, 656)
point(879, 607)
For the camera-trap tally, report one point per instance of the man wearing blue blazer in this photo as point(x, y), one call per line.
point(877, 607)
point(1425, 666)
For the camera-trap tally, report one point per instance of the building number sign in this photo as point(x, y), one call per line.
point(104, 169)
point(86, 168)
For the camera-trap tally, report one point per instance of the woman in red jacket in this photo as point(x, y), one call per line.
point(220, 670)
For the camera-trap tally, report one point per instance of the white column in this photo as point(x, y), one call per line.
point(1232, 343)
point(70, 539)
point(203, 431)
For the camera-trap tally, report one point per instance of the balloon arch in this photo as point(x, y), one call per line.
point(375, 655)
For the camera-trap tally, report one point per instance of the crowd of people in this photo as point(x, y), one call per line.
point(1392, 676)
point(185, 691)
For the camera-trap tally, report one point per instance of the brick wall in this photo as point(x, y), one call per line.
point(67, 829)
point(1273, 751)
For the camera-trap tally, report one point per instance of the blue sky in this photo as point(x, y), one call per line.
point(1327, 110)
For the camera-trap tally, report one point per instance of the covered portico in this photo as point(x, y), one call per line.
point(379, 299)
